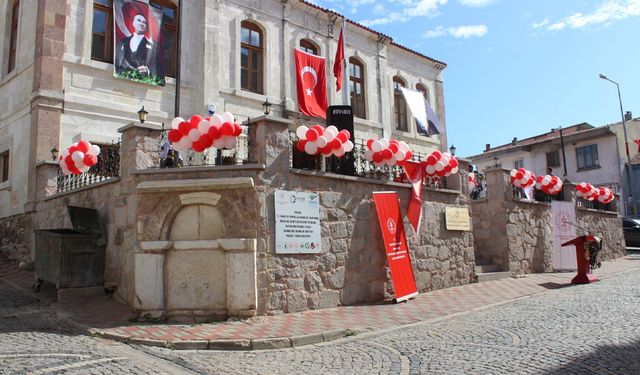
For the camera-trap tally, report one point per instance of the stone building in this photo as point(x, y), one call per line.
point(57, 82)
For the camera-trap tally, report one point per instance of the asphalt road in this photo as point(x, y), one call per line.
point(588, 329)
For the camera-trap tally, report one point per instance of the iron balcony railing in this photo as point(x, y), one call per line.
point(107, 167)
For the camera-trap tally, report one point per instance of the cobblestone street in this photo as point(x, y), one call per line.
point(588, 329)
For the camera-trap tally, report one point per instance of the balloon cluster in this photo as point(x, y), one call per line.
point(79, 157)
point(590, 193)
point(441, 164)
point(219, 131)
point(471, 181)
point(390, 152)
point(329, 141)
point(522, 178)
point(551, 185)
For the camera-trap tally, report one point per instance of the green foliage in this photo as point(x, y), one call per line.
point(134, 75)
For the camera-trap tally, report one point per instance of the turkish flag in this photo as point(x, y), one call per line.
point(312, 84)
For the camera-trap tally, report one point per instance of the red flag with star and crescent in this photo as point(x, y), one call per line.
point(311, 84)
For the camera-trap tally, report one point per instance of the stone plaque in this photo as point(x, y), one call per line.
point(457, 218)
point(297, 222)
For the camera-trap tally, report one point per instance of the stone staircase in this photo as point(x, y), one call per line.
point(489, 272)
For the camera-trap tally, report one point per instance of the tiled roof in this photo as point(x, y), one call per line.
point(440, 64)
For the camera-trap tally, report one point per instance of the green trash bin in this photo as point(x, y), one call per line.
point(72, 258)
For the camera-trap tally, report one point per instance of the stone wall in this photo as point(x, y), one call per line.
point(607, 226)
point(529, 237)
point(16, 237)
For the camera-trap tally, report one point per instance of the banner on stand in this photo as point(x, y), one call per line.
point(395, 244)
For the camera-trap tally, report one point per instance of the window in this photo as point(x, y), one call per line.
point(518, 164)
point(421, 88)
point(251, 57)
point(102, 33)
point(399, 104)
point(13, 37)
point(4, 166)
point(356, 87)
point(102, 39)
point(308, 47)
point(587, 157)
point(553, 159)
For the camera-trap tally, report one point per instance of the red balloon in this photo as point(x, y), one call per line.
point(195, 120)
point(453, 162)
point(184, 127)
point(431, 160)
point(539, 179)
point(226, 128)
point(448, 168)
point(84, 146)
point(312, 135)
point(319, 129)
point(343, 137)
point(437, 155)
point(325, 150)
point(237, 129)
point(300, 145)
point(214, 132)
point(71, 165)
point(335, 144)
point(519, 175)
point(197, 146)
point(377, 157)
point(174, 135)
point(206, 141)
point(90, 160)
point(387, 154)
point(393, 147)
point(369, 142)
point(409, 155)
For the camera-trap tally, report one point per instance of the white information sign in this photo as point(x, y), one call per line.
point(297, 222)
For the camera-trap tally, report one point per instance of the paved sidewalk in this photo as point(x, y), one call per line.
point(106, 318)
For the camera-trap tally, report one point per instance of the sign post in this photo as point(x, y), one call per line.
point(395, 244)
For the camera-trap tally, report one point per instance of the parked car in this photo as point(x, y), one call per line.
point(631, 229)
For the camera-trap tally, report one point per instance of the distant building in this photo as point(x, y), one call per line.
point(592, 155)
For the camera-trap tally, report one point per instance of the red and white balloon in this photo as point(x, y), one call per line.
point(587, 191)
point(471, 181)
point(441, 164)
point(605, 195)
point(523, 178)
point(79, 157)
point(551, 185)
point(390, 152)
point(316, 140)
point(219, 131)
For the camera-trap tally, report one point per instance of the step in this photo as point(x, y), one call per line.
point(488, 276)
point(484, 268)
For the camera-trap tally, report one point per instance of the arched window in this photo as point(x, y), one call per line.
point(399, 104)
point(13, 36)
point(423, 89)
point(308, 47)
point(356, 87)
point(102, 33)
point(251, 57)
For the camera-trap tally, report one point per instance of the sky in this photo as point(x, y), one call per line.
point(517, 68)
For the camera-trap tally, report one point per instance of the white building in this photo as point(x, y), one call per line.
point(578, 153)
point(57, 84)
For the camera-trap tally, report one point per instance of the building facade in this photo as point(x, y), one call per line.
point(57, 83)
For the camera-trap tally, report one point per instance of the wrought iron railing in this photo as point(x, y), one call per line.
point(107, 167)
point(170, 158)
point(355, 164)
point(538, 195)
point(480, 190)
point(595, 205)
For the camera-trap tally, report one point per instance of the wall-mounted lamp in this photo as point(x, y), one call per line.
point(452, 150)
point(495, 161)
point(266, 107)
point(142, 115)
point(54, 153)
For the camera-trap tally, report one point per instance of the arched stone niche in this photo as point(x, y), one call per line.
point(196, 271)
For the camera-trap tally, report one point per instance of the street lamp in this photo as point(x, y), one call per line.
point(626, 144)
point(142, 115)
point(564, 158)
point(495, 161)
point(452, 150)
point(266, 107)
point(54, 153)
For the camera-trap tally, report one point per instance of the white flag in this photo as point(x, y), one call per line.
point(427, 120)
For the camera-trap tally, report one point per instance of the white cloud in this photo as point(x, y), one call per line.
point(465, 32)
point(379, 9)
point(543, 23)
point(427, 8)
point(607, 13)
point(357, 3)
point(476, 3)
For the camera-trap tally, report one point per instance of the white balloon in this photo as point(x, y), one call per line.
point(454, 170)
point(183, 144)
point(368, 155)
point(227, 117)
point(194, 135)
point(513, 173)
point(546, 180)
point(322, 141)
point(65, 153)
point(216, 120)
point(538, 185)
point(311, 148)
point(203, 126)
point(219, 143)
point(94, 150)
point(348, 146)
point(376, 146)
point(404, 146)
point(301, 132)
point(330, 132)
point(390, 162)
point(430, 169)
point(517, 183)
point(77, 156)
point(339, 152)
point(175, 122)
point(384, 142)
point(439, 166)
point(85, 169)
point(79, 164)
point(229, 142)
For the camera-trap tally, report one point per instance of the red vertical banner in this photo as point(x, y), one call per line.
point(395, 244)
